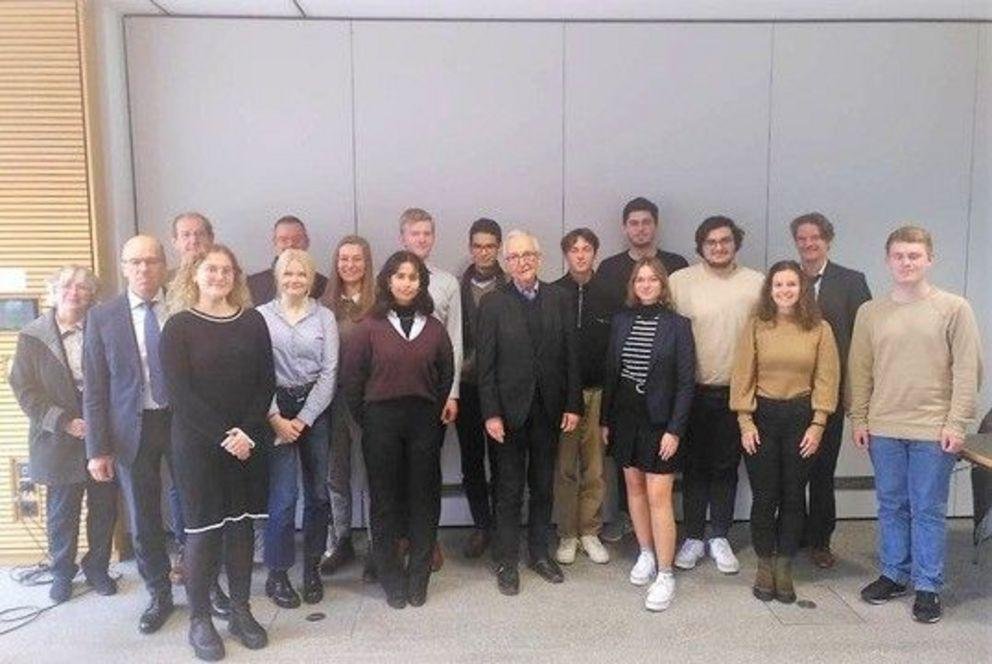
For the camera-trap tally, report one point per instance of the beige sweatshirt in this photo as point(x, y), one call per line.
point(915, 367)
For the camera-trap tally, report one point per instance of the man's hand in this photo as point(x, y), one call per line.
point(862, 437)
point(569, 421)
point(669, 446)
point(494, 427)
point(750, 441)
point(75, 428)
point(101, 468)
point(951, 441)
point(450, 411)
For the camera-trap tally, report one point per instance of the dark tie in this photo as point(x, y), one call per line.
point(152, 334)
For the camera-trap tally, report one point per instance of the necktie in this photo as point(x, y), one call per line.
point(152, 334)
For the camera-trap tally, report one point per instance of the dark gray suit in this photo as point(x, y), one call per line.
point(118, 424)
point(842, 291)
point(43, 384)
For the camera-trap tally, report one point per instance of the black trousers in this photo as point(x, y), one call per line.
point(141, 484)
point(778, 476)
point(474, 445)
point(202, 557)
point(527, 455)
point(403, 460)
point(63, 504)
point(821, 517)
point(710, 475)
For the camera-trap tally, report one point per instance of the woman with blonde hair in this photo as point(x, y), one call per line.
point(783, 387)
point(350, 295)
point(647, 392)
point(217, 361)
point(305, 351)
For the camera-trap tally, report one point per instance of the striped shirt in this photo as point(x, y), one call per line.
point(635, 356)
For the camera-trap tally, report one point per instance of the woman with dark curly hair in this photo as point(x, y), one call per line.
point(398, 372)
point(783, 387)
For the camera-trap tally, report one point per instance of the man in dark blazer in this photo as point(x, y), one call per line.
point(530, 390)
point(126, 410)
point(289, 232)
point(839, 292)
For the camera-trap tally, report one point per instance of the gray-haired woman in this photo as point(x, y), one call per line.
point(47, 379)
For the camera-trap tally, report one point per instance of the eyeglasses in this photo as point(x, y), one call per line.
point(523, 256)
point(722, 242)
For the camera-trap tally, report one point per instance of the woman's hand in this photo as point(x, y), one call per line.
point(669, 446)
point(750, 441)
point(238, 444)
point(811, 441)
point(75, 428)
point(286, 430)
point(605, 433)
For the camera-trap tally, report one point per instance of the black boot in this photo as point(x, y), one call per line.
point(342, 554)
point(278, 587)
point(370, 574)
point(220, 603)
point(313, 587)
point(206, 642)
point(244, 626)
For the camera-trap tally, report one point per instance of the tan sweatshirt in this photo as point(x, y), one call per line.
point(781, 360)
point(915, 367)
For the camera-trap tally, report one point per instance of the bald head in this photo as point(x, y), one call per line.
point(143, 265)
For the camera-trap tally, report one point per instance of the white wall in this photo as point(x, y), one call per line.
point(551, 125)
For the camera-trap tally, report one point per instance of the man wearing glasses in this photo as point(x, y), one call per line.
point(530, 390)
point(718, 296)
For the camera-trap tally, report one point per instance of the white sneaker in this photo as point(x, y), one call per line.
point(566, 550)
point(661, 593)
point(692, 551)
point(644, 569)
point(721, 552)
point(595, 549)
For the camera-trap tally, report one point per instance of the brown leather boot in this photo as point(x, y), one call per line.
point(785, 592)
point(437, 557)
point(764, 580)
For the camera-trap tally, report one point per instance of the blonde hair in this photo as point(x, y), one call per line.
point(912, 234)
point(413, 215)
point(184, 293)
point(289, 256)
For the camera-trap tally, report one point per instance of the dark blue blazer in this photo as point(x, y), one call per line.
point(671, 380)
point(113, 381)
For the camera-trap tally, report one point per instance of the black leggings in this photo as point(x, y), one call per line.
point(202, 558)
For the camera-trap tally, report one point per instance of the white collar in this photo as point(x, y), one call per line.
point(135, 300)
point(419, 323)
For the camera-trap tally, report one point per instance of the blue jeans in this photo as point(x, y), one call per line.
point(912, 480)
point(311, 451)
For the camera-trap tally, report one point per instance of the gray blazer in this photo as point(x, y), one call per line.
point(42, 382)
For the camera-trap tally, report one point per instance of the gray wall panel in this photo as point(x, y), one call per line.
point(677, 113)
point(244, 121)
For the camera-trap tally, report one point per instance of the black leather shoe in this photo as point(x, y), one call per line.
point(206, 642)
point(416, 591)
point(278, 587)
point(313, 587)
point(547, 569)
point(158, 611)
point(369, 574)
point(396, 601)
point(243, 625)
point(220, 603)
point(102, 584)
point(508, 579)
point(61, 590)
point(342, 554)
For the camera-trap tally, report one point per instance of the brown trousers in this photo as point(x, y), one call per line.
point(579, 483)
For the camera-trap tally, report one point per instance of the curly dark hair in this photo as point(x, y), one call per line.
point(807, 310)
point(384, 300)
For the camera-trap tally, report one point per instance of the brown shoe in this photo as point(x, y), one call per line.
point(437, 557)
point(477, 543)
point(822, 558)
point(785, 591)
point(764, 580)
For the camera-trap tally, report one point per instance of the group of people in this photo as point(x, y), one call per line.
point(243, 383)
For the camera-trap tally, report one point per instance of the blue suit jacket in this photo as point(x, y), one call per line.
point(671, 380)
point(113, 380)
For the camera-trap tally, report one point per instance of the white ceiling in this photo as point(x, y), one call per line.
point(567, 9)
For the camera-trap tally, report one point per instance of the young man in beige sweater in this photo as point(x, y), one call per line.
point(914, 368)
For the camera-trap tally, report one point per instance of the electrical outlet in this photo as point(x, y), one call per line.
point(25, 491)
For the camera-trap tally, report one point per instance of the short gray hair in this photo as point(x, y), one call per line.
point(62, 276)
point(521, 234)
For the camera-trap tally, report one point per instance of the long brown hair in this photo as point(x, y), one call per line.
point(335, 287)
point(665, 299)
point(184, 293)
point(807, 312)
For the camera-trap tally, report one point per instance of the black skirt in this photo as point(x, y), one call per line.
point(634, 442)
